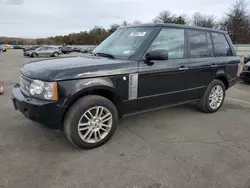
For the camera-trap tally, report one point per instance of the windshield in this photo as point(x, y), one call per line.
point(124, 42)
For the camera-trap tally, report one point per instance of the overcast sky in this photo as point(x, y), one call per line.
point(43, 18)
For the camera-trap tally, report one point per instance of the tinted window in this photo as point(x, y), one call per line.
point(171, 40)
point(197, 43)
point(221, 46)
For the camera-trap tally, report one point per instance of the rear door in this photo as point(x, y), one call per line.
point(226, 58)
point(202, 62)
point(163, 82)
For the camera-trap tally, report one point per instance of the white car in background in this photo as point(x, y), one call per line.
point(44, 51)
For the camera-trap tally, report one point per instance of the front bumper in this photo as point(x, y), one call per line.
point(46, 113)
point(245, 76)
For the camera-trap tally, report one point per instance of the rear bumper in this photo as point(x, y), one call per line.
point(46, 113)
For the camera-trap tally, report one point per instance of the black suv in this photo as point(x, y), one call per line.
point(137, 68)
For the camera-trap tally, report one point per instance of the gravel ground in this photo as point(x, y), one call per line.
point(176, 147)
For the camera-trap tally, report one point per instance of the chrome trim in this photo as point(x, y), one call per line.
point(133, 86)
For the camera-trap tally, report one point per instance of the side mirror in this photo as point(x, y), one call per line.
point(157, 55)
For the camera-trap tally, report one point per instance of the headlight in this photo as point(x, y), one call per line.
point(43, 90)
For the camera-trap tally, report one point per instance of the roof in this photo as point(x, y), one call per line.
point(175, 26)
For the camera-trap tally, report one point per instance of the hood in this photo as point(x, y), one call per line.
point(77, 67)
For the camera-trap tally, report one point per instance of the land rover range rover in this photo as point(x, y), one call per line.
point(137, 68)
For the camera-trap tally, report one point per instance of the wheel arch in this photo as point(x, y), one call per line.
point(224, 79)
point(101, 90)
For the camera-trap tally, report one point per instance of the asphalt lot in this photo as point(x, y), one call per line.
point(176, 147)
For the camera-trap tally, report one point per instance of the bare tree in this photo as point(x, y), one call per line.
point(168, 17)
point(137, 22)
point(113, 28)
point(164, 17)
point(237, 22)
point(203, 20)
point(182, 19)
point(125, 23)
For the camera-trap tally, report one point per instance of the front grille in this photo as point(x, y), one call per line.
point(24, 85)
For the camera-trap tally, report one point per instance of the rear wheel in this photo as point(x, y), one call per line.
point(90, 122)
point(213, 98)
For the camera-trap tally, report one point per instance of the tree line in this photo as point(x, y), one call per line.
point(236, 21)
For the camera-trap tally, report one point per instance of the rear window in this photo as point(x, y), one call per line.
point(221, 46)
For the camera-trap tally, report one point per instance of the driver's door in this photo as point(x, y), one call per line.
point(164, 82)
point(41, 51)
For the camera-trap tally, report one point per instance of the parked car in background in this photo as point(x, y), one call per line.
point(137, 68)
point(88, 50)
point(3, 48)
point(66, 49)
point(245, 74)
point(8, 46)
point(17, 47)
point(29, 48)
point(246, 59)
point(44, 51)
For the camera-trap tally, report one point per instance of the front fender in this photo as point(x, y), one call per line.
point(71, 90)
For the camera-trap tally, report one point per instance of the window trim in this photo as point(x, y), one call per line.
point(210, 34)
point(212, 42)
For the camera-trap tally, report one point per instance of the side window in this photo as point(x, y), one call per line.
point(197, 44)
point(209, 44)
point(171, 40)
point(221, 46)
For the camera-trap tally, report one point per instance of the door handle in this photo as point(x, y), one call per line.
point(182, 68)
point(214, 65)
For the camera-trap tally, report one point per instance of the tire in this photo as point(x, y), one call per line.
point(204, 103)
point(55, 54)
point(76, 114)
point(34, 55)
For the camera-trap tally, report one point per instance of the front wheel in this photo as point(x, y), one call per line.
point(213, 98)
point(90, 122)
point(34, 55)
point(55, 54)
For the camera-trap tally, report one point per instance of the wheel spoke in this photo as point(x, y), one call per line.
point(213, 103)
point(95, 135)
point(105, 128)
point(83, 124)
point(100, 114)
point(211, 97)
point(107, 117)
point(88, 112)
point(90, 134)
point(83, 128)
point(97, 111)
point(98, 134)
point(86, 134)
point(85, 115)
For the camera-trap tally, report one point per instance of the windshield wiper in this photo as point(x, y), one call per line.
point(104, 55)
